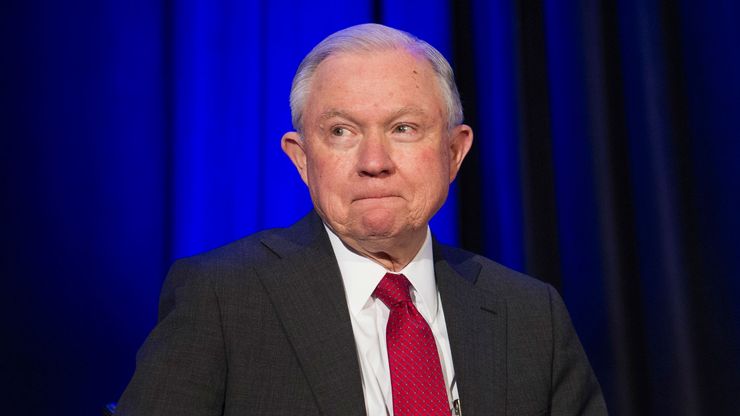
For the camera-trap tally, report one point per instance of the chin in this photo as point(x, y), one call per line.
point(379, 224)
point(375, 232)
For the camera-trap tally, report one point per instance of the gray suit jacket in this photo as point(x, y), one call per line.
point(261, 327)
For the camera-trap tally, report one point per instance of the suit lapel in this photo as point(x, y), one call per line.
point(306, 289)
point(305, 286)
point(476, 323)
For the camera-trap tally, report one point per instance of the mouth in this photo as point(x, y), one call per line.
point(374, 197)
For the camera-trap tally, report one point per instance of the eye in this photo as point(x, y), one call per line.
point(339, 131)
point(403, 129)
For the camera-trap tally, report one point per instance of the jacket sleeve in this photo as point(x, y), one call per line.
point(575, 389)
point(181, 368)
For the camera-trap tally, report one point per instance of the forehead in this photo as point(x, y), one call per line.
point(394, 77)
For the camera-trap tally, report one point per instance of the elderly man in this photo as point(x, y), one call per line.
point(356, 310)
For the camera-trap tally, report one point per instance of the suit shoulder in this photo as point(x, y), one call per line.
point(220, 270)
point(494, 277)
point(246, 252)
point(259, 248)
point(232, 262)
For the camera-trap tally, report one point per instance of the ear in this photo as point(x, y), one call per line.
point(461, 139)
point(293, 146)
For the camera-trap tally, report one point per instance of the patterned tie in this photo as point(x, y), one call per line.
point(416, 374)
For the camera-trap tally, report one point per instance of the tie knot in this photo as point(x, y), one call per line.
point(393, 289)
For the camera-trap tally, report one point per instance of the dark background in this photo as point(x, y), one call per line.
point(605, 162)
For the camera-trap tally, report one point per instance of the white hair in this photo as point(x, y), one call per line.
point(371, 37)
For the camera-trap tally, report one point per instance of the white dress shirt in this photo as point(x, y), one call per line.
point(369, 317)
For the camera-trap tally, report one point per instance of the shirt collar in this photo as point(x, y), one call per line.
point(361, 275)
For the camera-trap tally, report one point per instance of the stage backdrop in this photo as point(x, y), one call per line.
point(605, 162)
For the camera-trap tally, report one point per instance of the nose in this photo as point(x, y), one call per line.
point(374, 158)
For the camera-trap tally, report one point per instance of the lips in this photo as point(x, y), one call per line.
point(373, 196)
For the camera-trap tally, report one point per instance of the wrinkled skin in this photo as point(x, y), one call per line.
point(376, 153)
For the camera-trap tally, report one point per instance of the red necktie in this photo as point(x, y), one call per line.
point(416, 374)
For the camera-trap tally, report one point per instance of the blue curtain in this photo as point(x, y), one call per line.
point(605, 162)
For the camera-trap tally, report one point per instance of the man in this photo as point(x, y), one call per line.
point(356, 310)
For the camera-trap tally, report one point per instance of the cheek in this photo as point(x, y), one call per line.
point(316, 162)
point(429, 178)
point(325, 177)
point(434, 167)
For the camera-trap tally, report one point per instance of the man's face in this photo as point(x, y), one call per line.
point(377, 155)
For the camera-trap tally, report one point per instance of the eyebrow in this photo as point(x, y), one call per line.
point(334, 113)
point(410, 109)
